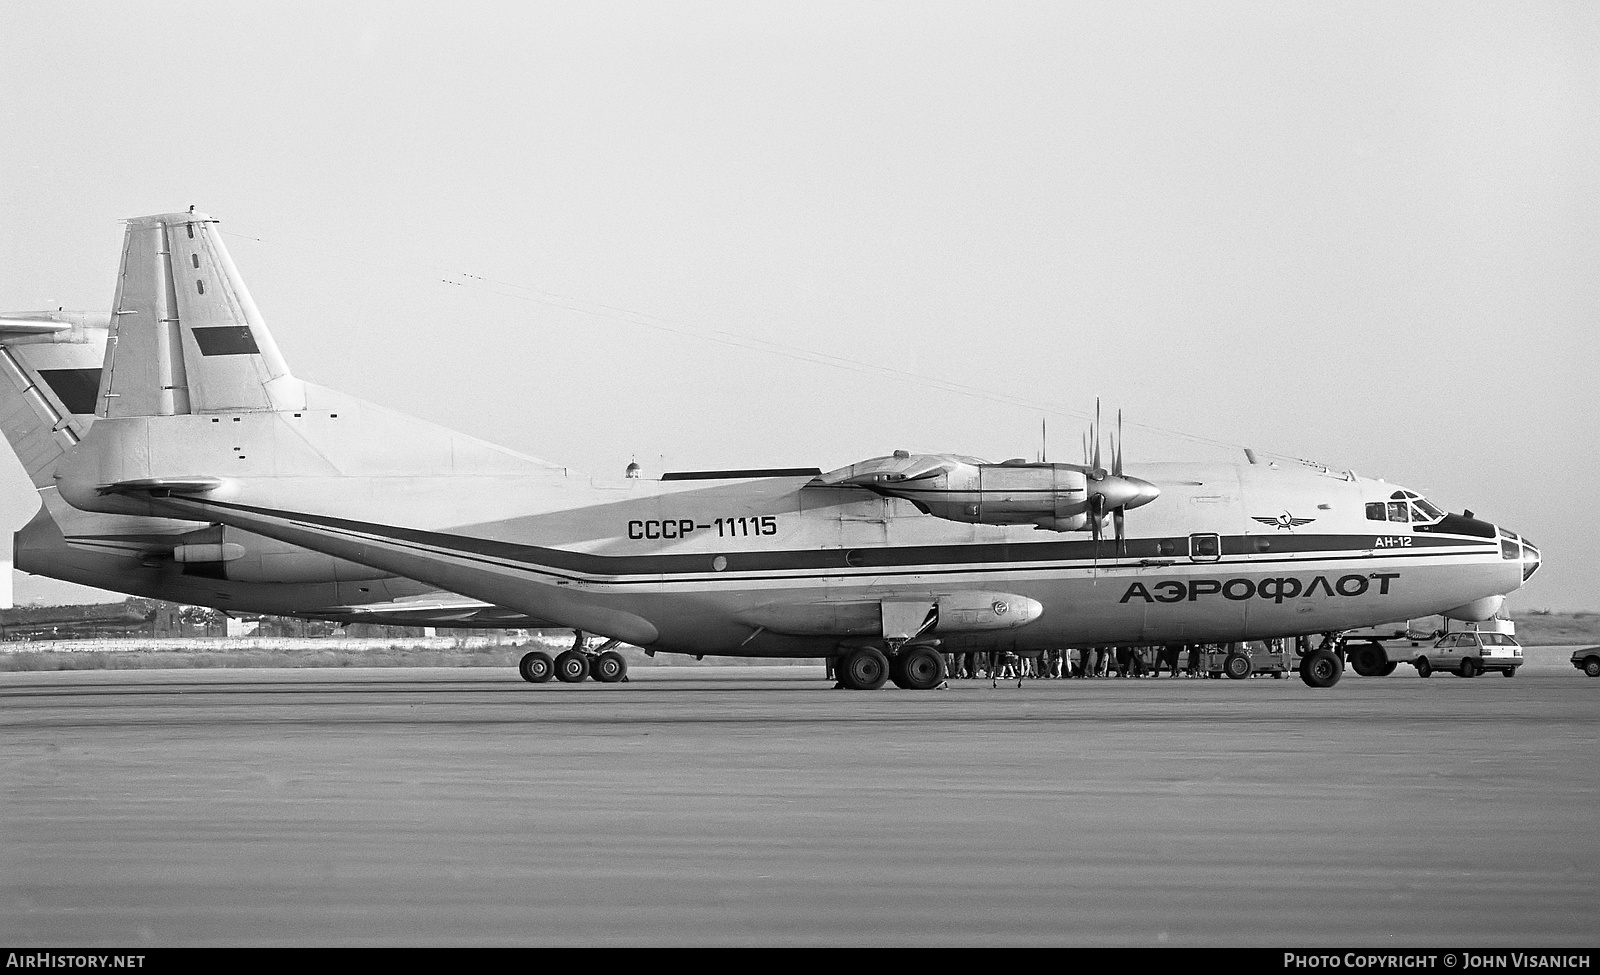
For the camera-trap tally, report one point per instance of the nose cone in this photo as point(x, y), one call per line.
point(1121, 491)
point(1018, 611)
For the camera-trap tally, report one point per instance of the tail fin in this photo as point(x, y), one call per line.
point(185, 335)
point(51, 363)
point(187, 344)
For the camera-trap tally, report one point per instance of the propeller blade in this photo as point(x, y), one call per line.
point(1097, 433)
point(1122, 539)
point(1116, 448)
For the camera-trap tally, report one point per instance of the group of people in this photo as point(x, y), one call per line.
point(1082, 662)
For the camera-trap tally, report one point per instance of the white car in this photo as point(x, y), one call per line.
point(1470, 653)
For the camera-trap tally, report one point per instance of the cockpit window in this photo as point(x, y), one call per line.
point(1399, 511)
point(1431, 512)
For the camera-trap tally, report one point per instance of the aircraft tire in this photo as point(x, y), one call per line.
point(864, 669)
point(536, 667)
point(1237, 665)
point(1388, 669)
point(609, 668)
point(1321, 668)
point(917, 669)
point(572, 667)
point(840, 674)
point(1369, 661)
point(1423, 667)
point(1469, 668)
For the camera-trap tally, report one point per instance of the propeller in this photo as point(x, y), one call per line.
point(1113, 492)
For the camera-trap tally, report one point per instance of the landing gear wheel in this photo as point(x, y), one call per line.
point(1237, 665)
point(1388, 669)
point(572, 667)
point(1469, 668)
point(536, 667)
point(917, 669)
point(864, 669)
point(609, 668)
point(1423, 667)
point(1321, 668)
point(1369, 661)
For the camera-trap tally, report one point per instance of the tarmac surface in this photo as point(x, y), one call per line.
point(758, 806)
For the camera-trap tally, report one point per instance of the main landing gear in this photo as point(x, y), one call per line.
point(916, 668)
point(573, 666)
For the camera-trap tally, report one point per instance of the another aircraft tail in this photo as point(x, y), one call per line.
point(51, 361)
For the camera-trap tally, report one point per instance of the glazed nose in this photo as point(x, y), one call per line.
point(1530, 559)
point(1514, 548)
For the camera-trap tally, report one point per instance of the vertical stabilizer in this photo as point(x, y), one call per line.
point(185, 335)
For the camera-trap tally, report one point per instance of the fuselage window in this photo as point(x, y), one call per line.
point(1205, 548)
point(1375, 512)
point(196, 259)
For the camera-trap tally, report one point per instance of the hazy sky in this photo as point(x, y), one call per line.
point(1364, 233)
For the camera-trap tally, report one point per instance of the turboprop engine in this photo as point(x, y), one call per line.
point(1058, 497)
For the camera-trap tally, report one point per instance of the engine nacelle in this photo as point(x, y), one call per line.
point(1060, 497)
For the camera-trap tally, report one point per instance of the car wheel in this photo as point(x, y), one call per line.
point(1469, 668)
point(1237, 666)
point(1592, 666)
point(1509, 673)
point(1368, 661)
point(1423, 667)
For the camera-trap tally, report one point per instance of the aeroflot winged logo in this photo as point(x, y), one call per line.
point(1284, 520)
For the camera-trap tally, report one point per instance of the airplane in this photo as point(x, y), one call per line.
point(882, 565)
point(52, 361)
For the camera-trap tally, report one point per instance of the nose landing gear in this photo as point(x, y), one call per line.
point(1324, 666)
